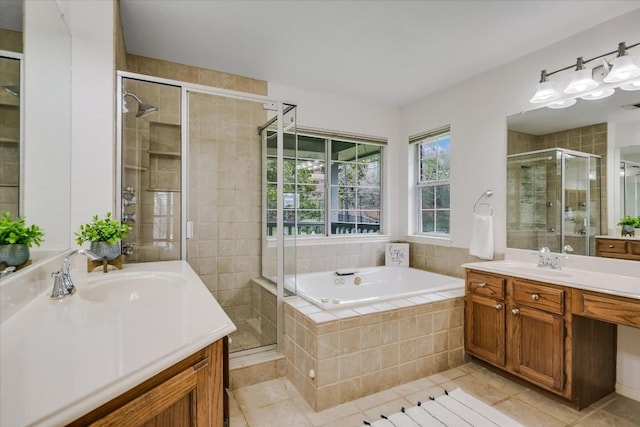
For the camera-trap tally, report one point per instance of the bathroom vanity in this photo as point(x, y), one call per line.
point(554, 329)
point(618, 247)
point(145, 344)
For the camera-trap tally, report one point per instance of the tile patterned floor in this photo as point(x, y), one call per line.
point(277, 403)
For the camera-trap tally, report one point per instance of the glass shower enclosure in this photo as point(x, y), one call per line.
point(191, 177)
point(630, 188)
point(554, 200)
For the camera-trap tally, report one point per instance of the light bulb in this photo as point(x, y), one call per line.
point(634, 85)
point(582, 79)
point(598, 94)
point(545, 91)
point(563, 104)
point(622, 67)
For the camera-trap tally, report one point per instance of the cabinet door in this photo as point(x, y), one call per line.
point(189, 393)
point(173, 401)
point(484, 329)
point(537, 346)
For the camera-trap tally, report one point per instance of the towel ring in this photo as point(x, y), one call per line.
point(475, 207)
point(483, 196)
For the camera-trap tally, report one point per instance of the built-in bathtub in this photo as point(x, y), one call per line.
point(347, 288)
point(397, 325)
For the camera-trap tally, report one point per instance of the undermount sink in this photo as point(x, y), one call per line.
point(535, 271)
point(125, 287)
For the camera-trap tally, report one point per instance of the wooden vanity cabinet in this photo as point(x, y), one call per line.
point(618, 248)
point(189, 393)
point(485, 317)
point(528, 330)
point(536, 331)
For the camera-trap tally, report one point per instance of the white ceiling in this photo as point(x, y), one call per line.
point(388, 51)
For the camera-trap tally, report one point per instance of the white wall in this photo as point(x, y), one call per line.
point(92, 109)
point(477, 111)
point(47, 103)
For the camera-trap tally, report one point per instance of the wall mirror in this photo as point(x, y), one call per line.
point(563, 172)
point(43, 158)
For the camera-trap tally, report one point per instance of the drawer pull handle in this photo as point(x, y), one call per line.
point(482, 285)
point(535, 297)
point(610, 246)
point(515, 311)
point(498, 306)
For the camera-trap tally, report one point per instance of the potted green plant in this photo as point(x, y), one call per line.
point(628, 224)
point(16, 237)
point(104, 234)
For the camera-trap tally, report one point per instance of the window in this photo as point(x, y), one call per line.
point(331, 185)
point(433, 188)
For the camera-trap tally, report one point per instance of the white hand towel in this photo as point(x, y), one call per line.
point(482, 237)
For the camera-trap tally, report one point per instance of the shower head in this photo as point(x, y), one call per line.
point(12, 89)
point(488, 193)
point(143, 107)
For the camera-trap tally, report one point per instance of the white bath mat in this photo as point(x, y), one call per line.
point(455, 408)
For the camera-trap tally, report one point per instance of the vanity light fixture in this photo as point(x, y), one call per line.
point(545, 91)
point(585, 84)
point(623, 67)
point(582, 79)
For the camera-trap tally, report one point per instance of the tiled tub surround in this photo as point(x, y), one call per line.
point(366, 349)
point(313, 258)
point(445, 260)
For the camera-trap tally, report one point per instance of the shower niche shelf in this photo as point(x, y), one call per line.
point(136, 167)
point(164, 157)
point(164, 153)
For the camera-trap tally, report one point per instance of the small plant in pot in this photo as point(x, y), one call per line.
point(104, 234)
point(628, 224)
point(16, 237)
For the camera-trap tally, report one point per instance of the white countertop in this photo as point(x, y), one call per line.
point(62, 359)
point(619, 237)
point(625, 285)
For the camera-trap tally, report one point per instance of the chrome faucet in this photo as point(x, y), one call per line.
point(543, 257)
point(62, 283)
point(7, 271)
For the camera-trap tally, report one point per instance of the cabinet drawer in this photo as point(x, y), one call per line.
point(634, 248)
point(622, 311)
point(539, 296)
point(611, 246)
point(485, 285)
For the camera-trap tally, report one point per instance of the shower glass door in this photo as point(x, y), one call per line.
point(224, 212)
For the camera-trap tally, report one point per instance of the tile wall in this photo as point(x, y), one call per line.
point(361, 351)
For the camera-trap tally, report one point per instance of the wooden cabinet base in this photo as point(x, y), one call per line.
point(189, 393)
point(535, 331)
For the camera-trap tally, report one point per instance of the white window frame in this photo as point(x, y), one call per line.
point(417, 140)
point(329, 136)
